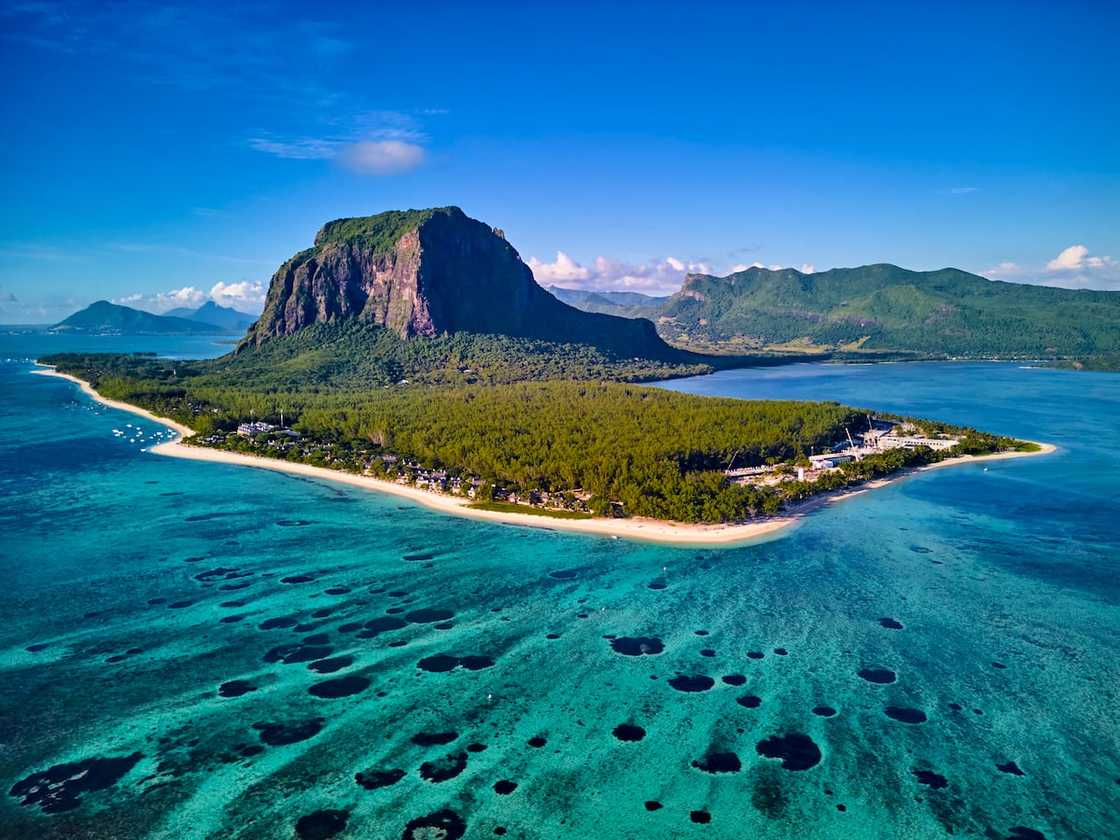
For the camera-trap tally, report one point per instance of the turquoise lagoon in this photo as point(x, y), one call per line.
point(392, 672)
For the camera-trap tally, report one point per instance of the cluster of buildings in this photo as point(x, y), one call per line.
point(880, 436)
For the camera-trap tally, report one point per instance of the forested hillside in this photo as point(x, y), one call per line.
point(887, 308)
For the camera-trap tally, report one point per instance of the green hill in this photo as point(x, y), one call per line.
point(886, 308)
point(105, 317)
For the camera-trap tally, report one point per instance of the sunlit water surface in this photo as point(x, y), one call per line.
point(390, 669)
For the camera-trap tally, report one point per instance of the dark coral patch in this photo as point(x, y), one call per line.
point(339, 687)
point(734, 679)
point(442, 769)
point(756, 654)
point(629, 732)
point(657, 584)
point(444, 824)
point(719, 762)
point(321, 825)
point(432, 739)
point(905, 714)
point(564, 574)
point(781, 652)
point(38, 646)
point(337, 590)
point(701, 817)
point(61, 787)
point(280, 734)
point(1021, 832)
point(381, 625)
point(537, 741)
point(235, 688)
point(796, 750)
point(329, 666)
point(1010, 767)
point(297, 579)
point(637, 645)
point(890, 623)
point(750, 701)
point(653, 805)
point(824, 711)
point(879, 676)
point(708, 652)
point(505, 787)
point(476, 748)
point(373, 779)
point(692, 683)
point(476, 663)
point(930, 779)
point(428, 615)
point(317, 639)
point(278, 623)
point(439, 663)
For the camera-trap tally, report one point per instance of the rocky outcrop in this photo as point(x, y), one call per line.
point(427, 273)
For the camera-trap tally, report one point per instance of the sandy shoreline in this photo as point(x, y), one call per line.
point(649, 530)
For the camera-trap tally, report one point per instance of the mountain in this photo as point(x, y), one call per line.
point(623, 304)
point(105, 317)
point(225, 317)
point(431, 273)
point(887, 308)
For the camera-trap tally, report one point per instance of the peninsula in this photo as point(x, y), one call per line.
point(412, 352)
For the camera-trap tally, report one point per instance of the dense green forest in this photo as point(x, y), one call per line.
point(887, 308)
point(630, 450)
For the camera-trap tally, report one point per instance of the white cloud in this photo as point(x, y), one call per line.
point(372, 143)
point(382, 157)
point(563, 270)
point(1073, 268)
point(246, 295)
point(659, 276)
point(808, 268)
point(1077, 258)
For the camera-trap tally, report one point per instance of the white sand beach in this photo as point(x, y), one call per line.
point(635, 528)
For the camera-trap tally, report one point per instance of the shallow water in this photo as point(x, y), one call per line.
point(129, 567)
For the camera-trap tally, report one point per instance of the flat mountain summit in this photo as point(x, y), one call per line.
point(428, 273)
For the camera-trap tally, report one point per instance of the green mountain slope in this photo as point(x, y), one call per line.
point(887, 308)
point(105, 317)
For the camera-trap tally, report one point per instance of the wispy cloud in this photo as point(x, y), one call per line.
point(179, 251)
point(244, 295)
point(1073, 268)
point(373, 143)
point(37, 252)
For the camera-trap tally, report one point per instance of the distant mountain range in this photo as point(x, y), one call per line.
point(623, 304)
point(229, 319)
point(105, 317)
point(882, 309)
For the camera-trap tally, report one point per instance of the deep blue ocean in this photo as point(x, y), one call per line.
point(192, 650)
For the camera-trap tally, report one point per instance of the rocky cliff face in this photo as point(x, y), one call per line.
point(427, 273)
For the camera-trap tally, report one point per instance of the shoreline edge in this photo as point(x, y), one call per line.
point(640, 529)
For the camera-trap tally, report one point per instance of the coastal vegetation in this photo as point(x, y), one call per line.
point(605, 448)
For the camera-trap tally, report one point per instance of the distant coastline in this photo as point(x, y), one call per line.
point(635, 528)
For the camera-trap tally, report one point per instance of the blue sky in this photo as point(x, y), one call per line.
point(164, 154)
